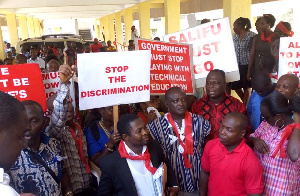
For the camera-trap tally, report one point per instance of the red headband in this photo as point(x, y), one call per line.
point(284, 30)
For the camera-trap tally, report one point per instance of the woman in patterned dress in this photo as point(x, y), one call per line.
point(272, 145)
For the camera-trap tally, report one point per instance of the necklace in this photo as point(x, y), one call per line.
point(105, 130)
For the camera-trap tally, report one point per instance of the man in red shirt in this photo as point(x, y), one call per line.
point(229, 166)
point(216, 103)
point(96, 46)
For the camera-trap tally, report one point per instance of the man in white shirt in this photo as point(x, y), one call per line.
point(35, 59)
point(14, 131)
point(135, 169)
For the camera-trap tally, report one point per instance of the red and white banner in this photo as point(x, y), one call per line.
point(51, 83)
point(289, 56)
point(107, 79)
point(170, 65)
point(23, 82)
point(212, 47)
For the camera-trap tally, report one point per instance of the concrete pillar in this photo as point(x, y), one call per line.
point(76, 27)
point(23, 27)
point(2, 51)
point(111, 27)
point(128, 21)
point(118, 24)
point(12, 28)
point(36, 24)
point(144, 19)
point(104, 27)
point(41, 28)
point(172, 16)
point(97, 32)
point(235, 9)
point(30, 27)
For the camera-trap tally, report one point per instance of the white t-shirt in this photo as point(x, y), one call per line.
point(5, 189)
point(38, 60)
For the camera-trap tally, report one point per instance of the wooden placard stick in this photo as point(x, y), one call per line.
point(116, 116)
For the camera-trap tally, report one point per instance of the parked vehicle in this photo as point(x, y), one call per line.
point(60, 40)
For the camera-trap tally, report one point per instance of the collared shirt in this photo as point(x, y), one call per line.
point(232, 173)
point(80, 179)
point(38, 60)
point(142, 177)
point(253, 109)
point(30, 176)
point(215, 113)
point(281, 175)
point(243, 47)
point(5, 189)
point(96, 47)
point(163, 132)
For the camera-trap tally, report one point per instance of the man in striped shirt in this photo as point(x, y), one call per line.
point(182, 136)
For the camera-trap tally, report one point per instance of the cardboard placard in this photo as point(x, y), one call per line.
point(289, 56)
point(23, 82)
point(212, 48)
point(51, 83)
point(170, 65)
point(107, 79)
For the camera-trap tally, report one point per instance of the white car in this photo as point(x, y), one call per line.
point(60, 40)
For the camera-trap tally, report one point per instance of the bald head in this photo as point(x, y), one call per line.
point(288, 85)
point(240, 119)
point(292, 78)
point(53, 65)
point(172, 91)
point(176, 102)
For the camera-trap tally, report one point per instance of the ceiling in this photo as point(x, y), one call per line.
point(73, 9)
point(45, 9)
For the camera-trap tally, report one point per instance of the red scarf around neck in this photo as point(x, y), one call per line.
point(79, 145)
point(285, 136)
point(266, 39)
point(189, 142)
point(146, 157)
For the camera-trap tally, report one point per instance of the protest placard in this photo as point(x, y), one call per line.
point(51, 82)
point(212, 48)
point(23, 82)
point(289, 56)
point(170, 65)
point(107, 79)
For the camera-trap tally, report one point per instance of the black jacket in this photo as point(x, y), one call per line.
point(116, 178)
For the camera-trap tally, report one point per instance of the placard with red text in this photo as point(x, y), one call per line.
point(212, 47)
point(170, 65)
point(51, 83)
point(289, 56)
point(23, 82)
point(113, 78)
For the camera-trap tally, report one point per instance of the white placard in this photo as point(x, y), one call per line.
point(113, 78)
point(212, 47)
point(51, 83)
point(289, 56)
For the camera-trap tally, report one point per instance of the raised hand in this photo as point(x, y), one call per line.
point(66, 73)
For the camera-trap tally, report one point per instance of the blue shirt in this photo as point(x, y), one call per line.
point(253, 109)
point(94, 146)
